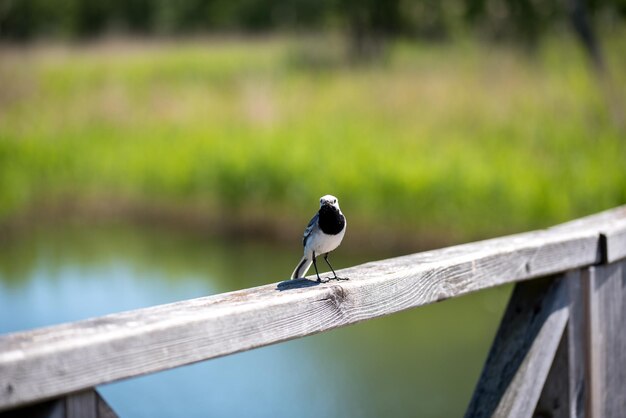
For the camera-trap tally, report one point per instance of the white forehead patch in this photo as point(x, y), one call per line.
point(329, 199)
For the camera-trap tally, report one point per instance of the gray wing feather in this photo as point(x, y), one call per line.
point(309, 228)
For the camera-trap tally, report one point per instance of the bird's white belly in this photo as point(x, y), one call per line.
point(322, 243)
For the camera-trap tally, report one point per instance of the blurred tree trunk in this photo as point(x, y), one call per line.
point(583, 26)
point(370, 23)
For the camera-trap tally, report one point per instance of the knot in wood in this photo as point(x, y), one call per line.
point(337, 295)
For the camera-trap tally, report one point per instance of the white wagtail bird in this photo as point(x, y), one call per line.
point(322, 235)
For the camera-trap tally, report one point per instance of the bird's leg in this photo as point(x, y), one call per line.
point(331, 267)
point(315, 265)
point(333, 270)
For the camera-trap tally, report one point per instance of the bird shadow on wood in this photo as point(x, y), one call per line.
point(296, 284)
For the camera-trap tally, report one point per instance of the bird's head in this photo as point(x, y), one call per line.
point(329, 200)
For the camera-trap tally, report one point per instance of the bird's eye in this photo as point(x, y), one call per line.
point(334, 200)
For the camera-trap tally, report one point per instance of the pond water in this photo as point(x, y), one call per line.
point(423, 362)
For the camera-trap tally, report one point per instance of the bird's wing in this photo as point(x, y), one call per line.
point(309, 228)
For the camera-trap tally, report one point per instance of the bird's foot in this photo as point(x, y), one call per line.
point(328, 279)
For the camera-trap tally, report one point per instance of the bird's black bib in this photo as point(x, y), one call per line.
point(331, 221)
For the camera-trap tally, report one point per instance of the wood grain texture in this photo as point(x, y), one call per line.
point(578, 344)
point(565, 393)
point(554, 401)
point(523, 350)
point(49, 362)
point(607, 345)
point(82, 405)
point(612, 227)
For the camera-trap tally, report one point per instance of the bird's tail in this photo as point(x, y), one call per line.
point(303, 267)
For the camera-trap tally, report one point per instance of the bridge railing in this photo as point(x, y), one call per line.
point(560, 349)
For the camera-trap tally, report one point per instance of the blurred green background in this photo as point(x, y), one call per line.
point(153, 151)
point(457, 132)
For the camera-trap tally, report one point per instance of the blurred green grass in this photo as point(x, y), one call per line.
point(462, 140)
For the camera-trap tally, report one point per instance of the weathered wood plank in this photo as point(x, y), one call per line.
point(82, 405)
point(522, 353)
point(565, 393)
point(615, 244)
point(49, 362)
point(612, 227)
point(578, 344)
point(607, 345)
point(554, 401)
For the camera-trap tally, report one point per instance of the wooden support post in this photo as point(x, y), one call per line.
point(565, 393)
point(523, 350)
point(81, 405)
point(555, 398)
point(578, 374)
point(85, 404)
point(607, 339)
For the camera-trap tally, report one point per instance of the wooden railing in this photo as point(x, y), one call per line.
point(560, 350)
